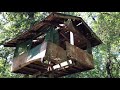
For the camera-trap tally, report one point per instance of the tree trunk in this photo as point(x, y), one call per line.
point(31, 18)
point(109, 62)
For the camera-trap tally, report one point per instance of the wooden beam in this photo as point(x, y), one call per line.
point(71, 38)
point(64, 37)
point(64, 16)
point(30, 69)
point(38, 67)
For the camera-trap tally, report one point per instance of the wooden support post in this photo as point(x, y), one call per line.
point(89, 47)
point(71, 38)
point(51, 75)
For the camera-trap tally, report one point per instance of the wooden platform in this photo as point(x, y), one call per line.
point(38, 58)
point(32, 68)
point(36, 68)
point(62, 62)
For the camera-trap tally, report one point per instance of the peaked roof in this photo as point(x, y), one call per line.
point(55, 19)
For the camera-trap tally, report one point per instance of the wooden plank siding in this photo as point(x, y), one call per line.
point(83, 58)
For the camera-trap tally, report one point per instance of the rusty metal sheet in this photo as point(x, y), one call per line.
point(83, 59)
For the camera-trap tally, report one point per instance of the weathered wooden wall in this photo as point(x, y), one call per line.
point(55, 53)
point(19, 61)
point(47, 50)
point(31, 64)
point(83, 59)
point(36, 53)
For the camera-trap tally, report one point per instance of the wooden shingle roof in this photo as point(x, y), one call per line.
point(55, 19)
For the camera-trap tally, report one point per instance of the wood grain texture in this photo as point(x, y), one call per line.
point(55, 53)
point(83, 58)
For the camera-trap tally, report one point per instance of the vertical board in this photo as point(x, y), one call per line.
point(52, 36)
point(19, 61)
point(55, 53)
point(71, 38)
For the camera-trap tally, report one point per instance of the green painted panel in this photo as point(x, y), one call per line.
point(52, 36)
point(34, 51)
point(22, 48)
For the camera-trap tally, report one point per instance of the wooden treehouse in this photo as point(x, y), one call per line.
point(57, 46)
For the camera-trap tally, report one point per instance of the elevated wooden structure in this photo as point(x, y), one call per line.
point(59, 45)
